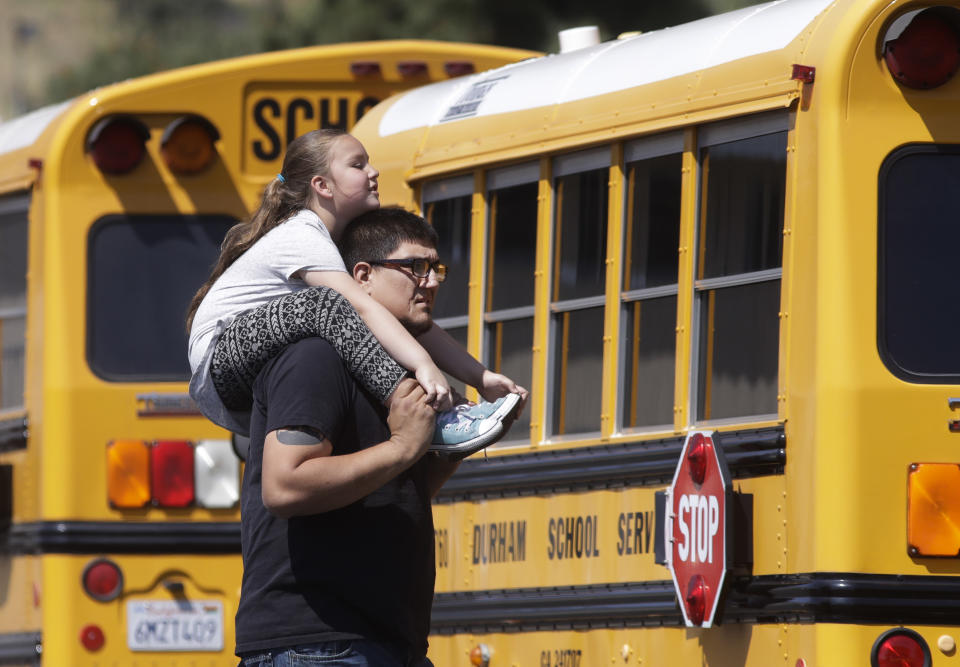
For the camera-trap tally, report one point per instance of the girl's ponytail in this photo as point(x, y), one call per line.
point(307, 156)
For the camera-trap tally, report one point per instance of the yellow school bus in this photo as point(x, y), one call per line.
point(741, 230)
point(118, 502)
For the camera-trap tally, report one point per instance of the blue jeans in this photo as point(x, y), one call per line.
point(340, 653)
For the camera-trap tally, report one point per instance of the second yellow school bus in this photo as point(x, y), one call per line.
point(119, 521)
point(746, 225)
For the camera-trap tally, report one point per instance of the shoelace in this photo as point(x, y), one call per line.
point(463, 420)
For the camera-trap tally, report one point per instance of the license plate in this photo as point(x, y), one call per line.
point(175, 625)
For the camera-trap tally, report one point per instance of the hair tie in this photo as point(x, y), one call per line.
point(281, 178)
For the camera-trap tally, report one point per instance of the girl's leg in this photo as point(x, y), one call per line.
point(258, 335)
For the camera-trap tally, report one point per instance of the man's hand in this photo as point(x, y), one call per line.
point(411, 420)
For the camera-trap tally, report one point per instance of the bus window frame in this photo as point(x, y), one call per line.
point(15, 204)
point(568, 164)
point(499, 179)
point(644, 148)
point(713, 134)
point(442, 190)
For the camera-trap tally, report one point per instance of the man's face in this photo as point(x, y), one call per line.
point(408, 298)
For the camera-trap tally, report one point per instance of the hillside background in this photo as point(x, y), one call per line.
point(51, 50)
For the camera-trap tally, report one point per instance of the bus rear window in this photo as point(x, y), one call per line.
point(142, 273)
point(919, 238)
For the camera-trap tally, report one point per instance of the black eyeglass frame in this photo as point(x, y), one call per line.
point(438, 268)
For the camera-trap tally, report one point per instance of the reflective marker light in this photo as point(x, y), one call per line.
point(217, 474)
point(927, 53)
point(128, 473)
point(697, 456)
point(458, 68)
point(102, 580)
point(933, 509)
point(187, 144)
point(804, 73)
point(172, 473)
point(91, 636)
point(900, 647)
point(696, 599)
point(117, 144)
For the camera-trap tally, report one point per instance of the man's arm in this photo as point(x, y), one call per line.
point(305, 478)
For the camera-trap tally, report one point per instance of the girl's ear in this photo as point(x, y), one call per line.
point(320, 185)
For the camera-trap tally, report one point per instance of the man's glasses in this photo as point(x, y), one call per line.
point(420, 267)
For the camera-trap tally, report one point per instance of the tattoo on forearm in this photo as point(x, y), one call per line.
point(291, 437)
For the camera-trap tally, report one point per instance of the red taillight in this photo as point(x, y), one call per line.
point(900, 647)
point(171, 473)
point(412, 68)
point(458, 68)
point(102, 580)
point(117, 144)
point(91, 636)
point(187, 144)
point(697, 456)
point(696, 599)
point(927, 53)
point(365, 68)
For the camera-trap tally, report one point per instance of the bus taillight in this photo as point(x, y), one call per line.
point(117, 144)
point(187, 145)
point(128, 473)
point(171, 472)
point(926, 53)
point(900, 647)
point(217, 470)
point(102, 580)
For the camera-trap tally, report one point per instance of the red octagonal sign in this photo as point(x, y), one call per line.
point(698, 527)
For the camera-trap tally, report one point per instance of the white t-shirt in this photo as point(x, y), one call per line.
point(261, 274)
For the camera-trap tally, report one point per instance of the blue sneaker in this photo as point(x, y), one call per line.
point(469, 427)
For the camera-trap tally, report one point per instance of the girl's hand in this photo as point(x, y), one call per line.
point(495, 385)
point(435, 384)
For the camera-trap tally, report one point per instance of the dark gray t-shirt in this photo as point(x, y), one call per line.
point(365, 570)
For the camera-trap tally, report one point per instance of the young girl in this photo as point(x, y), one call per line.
point(280, 278)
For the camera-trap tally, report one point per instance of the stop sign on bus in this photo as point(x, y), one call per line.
point(698, 528)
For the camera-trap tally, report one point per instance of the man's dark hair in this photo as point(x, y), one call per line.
point(378, 233)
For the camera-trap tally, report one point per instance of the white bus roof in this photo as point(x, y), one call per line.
point(608, 67)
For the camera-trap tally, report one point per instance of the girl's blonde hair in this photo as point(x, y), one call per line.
point(307, 156)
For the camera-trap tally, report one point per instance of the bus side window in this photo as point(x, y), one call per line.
point(579, 277)
point(447, 206)
point(512, 247)
point(13, 300)
point(738, 276)
point(649, 298)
